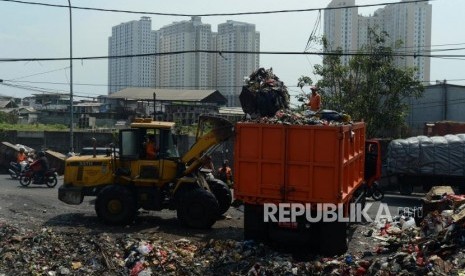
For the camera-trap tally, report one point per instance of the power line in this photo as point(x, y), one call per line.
point(23, 77)
point(414, 55)
point(47, 90)
point(214, 14)
point(165, 86)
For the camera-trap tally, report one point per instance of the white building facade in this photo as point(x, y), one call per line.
point(182, 61)
point(131, 38)
point(341, 27)
point(409, 23)
point(185, 70)
point(232, 68)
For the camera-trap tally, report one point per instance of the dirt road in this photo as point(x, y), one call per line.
point(37, 206)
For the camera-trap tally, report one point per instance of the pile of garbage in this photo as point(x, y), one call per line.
point(264, 94)
point(265, 99)
point(432, 243)
point(397, 251)
point(288, 117)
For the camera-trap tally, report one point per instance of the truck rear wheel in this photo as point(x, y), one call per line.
point(116, 205)
point(197, 208)
point(222, 194)
point(405, 186)
point(254, 226)
point(333, 238)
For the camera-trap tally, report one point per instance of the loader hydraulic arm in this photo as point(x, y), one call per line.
point(211, 131)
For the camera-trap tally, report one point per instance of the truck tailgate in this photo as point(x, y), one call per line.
point(292, 163)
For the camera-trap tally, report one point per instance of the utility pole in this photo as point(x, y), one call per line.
point(71, 127)
point(446, 99)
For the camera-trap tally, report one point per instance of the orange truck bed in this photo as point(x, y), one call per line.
point(293, 163)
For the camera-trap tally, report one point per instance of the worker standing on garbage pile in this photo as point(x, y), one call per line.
point(314, 102)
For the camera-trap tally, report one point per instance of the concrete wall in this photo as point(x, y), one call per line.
point(56, 140)
point(59, 140)
point(439, 103)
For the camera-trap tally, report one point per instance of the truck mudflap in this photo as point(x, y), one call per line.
point(70, 195)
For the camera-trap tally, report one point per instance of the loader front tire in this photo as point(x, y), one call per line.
point(116, 205)
point(222, 194)
point(197, 208)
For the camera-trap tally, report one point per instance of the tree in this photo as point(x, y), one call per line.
point(8, 118)
point(370, 87)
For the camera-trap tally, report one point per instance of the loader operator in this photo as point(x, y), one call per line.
point(151, 147)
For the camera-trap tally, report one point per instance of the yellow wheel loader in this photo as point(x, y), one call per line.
point(126, 180)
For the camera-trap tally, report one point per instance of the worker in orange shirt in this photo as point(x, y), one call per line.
point(225, 173)
point(151, 147)
point(314, 102)
point(22, 156)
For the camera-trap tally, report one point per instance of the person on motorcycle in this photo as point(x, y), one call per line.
point(40, 166)
point(17, 166)
point(22, 156)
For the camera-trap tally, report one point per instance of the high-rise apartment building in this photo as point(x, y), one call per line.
point(341, 27)
point(411, 23)
point(185, 70)
point(232, 68)
point(184, 65)
point(408, 22)
point(131, 38)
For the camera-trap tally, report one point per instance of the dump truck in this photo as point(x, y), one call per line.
point(126, 180)
point(304, 164)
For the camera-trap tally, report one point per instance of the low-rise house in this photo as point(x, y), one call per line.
point(177, 105)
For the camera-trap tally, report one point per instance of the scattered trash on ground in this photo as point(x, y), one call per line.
point(406, 245)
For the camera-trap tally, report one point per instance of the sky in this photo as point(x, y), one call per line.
point(31, 31)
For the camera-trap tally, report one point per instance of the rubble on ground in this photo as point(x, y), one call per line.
point(407, 245)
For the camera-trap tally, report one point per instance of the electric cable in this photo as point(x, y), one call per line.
point(214, 14)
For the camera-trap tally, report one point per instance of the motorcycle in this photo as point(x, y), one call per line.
point(29, 176)
point(16, 169)
point(373, 190)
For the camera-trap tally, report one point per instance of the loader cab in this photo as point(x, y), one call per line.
point(134, 157)
point(133, 141)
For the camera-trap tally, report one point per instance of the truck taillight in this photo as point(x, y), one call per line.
point(292, 225)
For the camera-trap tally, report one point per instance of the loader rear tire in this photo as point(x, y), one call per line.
point(116, 205)
point(222, 194)
point(197, 208)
